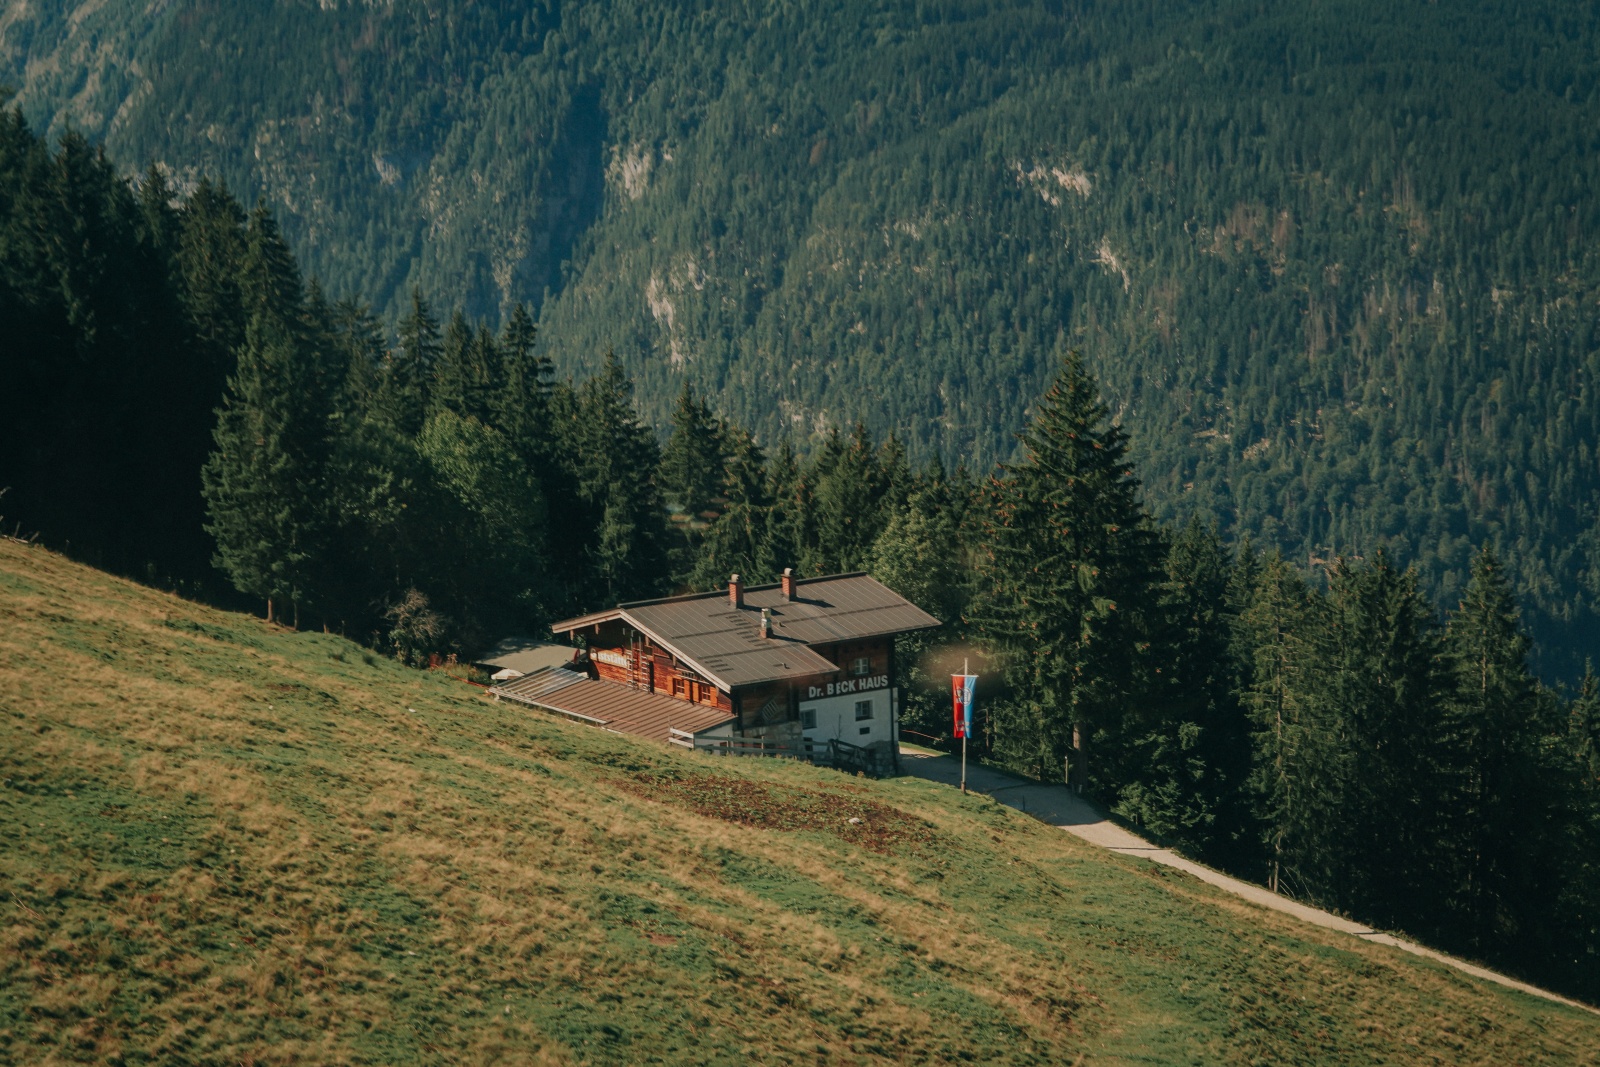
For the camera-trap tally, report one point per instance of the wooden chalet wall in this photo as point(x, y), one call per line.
point(645, 665)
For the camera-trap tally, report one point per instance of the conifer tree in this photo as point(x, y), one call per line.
point(920, 554)
point(851, 494)
point(264, 483)
point(466, 377)
point(1067, 568)
point(495, 522)
point(522, 407)
point(269, 279)
point(1268, 644)
point(739, 540)
point(1368, 830)
point(692, 461)
point(1496, 783)
point(616, 459)
point(1186, 742)
point(787, 528)
point(402, 394)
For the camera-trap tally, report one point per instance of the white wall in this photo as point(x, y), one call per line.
point(836, 718)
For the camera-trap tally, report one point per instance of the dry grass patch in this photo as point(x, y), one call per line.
point(851, 818)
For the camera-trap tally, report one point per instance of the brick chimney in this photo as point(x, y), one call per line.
point(788, 583)
point(736, 591)
point(766, 622)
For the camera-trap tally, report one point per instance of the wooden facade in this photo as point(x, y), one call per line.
point(800, 662)
point(634, 660)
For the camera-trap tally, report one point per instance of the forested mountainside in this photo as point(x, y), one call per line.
point(1331, 262)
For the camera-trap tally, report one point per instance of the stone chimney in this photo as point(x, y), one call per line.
point(766, 622)
point(788, 583)
point(736, 591)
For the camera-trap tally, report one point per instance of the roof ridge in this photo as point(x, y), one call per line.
point(686, 597)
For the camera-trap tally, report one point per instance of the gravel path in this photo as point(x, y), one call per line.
point(1059, 806)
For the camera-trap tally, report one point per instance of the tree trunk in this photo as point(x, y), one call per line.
point(269, 609)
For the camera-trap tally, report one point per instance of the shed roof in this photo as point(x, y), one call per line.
point(612, 706)
point(725, 644)
point(525, 655)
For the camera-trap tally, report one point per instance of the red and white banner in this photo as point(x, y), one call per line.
point(963, 688)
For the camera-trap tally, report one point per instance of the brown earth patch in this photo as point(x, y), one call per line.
point(876, 827)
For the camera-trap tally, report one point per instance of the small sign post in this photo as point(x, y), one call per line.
point(963, 688)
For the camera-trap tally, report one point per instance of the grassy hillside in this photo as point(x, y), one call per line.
point(231, 843)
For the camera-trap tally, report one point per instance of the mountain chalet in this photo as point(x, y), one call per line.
point(803, 667)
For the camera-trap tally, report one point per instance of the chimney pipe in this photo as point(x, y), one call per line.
point(788, 583)
point(766, 622)
point(736, 592)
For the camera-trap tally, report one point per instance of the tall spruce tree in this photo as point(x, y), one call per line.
point(264, 484)
point(1496, 785)
point(403, 387)
point(1185, 745)
point(1274, 607)
point(851, 498)
point(691, 462)
point(739, 540)
point(615, 462)
point(1067, 568)
point(1367, 835)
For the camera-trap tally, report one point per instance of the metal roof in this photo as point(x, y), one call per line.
point(619, 708)
point(725, 644)
point(526, 656)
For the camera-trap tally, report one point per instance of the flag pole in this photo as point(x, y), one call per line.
point(963, 739)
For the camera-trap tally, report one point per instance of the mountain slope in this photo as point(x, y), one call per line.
point(1332, 261)
point(234, 842)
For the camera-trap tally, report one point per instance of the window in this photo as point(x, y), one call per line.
point(861, 666)
point(677, 687)
point(866, 729)
point(808, 719)
point(863, 710)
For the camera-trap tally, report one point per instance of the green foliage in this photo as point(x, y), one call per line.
point(1331, 259)
point(1066, 565)
point(264, 485)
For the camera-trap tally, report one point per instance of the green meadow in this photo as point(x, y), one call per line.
point(230, 843)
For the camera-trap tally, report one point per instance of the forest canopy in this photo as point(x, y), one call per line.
point(1332, 263)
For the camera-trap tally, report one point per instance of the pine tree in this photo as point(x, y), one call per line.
point(788, 527)
point(1187, 741)
point(616, 459)
point(851, 498)
point(1368, 830)
point(522, 409)
point(1496, 782)
point(692, 461)
point(920, 554)
point(269, 278)
point(264, 484)
point(1067, 569)
point(496, 520)
point(739, 540)
point(1268, 639)
point(402, 394)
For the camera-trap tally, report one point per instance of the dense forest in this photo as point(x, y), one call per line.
point(1330, 262)
point(182, 405)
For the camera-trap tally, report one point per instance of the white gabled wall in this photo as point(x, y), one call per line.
point(835, 717)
